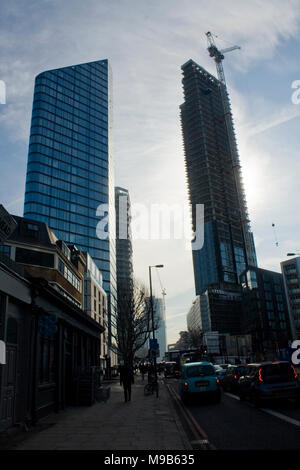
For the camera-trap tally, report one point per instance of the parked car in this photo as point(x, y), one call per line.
point(169, 369)
point(220, 372)
point(269, 381)
point(199, 379)
point(224, 366)
point(231, 377)
point(176, 371)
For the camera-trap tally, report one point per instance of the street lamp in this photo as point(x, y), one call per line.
point(292, 254)
point(152, 319)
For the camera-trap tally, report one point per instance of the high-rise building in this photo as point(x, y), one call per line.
point(220, 310)
point(265, 313)
point(125, 288)
point(123, 240)
point(194, 316)
point(214, 179)
point(70, 166)
point(291, 276)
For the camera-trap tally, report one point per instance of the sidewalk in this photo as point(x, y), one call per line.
point(145, 423)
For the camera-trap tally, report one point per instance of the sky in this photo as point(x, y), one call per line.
point(146, 43)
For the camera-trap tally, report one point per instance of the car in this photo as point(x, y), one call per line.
point(220, 373)
point(224, 366)
point(169, 369)
point(197, 380)
point(268, 381)
point(231, 377)
point(219, 369)
point(176, 371)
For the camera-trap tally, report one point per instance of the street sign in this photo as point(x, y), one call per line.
point(7, 224)
point(2, 352)
point(154, 344)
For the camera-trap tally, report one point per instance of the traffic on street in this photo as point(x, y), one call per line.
point(242, 424)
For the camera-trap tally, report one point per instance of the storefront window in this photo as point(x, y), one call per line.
point(47, 362)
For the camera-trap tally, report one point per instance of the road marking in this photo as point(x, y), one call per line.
point(191, 421)
point(231, 395)
point(202, 441)
point(271, 412)
point(281, 416)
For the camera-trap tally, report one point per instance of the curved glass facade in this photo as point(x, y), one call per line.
point(70, 166)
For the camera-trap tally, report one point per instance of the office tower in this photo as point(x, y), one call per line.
point(123, 240)
point(291, 276)
point(214, 179)
point(70, 166)
point(124, 267)
point(194, 318)
point(265, 312)
point(216, 310)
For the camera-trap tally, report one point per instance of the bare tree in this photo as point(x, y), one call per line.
point(134, 322)
point(196, 338)
point(191, 339)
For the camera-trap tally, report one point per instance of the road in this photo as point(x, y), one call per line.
point(235, 425)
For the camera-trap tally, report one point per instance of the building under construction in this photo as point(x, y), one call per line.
point(214, 179)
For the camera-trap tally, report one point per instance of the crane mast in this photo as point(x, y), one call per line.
point(218, 56)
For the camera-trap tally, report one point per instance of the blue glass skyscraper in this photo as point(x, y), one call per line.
point(70, 166)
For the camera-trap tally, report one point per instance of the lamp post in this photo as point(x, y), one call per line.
point(152, 319)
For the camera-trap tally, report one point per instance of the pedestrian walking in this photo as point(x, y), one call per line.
point(142, 371)
point(126, 379)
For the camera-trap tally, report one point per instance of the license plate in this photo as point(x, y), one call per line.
point(201, 384)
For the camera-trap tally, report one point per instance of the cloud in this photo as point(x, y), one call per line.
point(272, 119)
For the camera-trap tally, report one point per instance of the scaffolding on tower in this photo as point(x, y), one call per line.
point(218, 56)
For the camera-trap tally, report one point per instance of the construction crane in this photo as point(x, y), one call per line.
point(218, 56)
point(163, 290)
